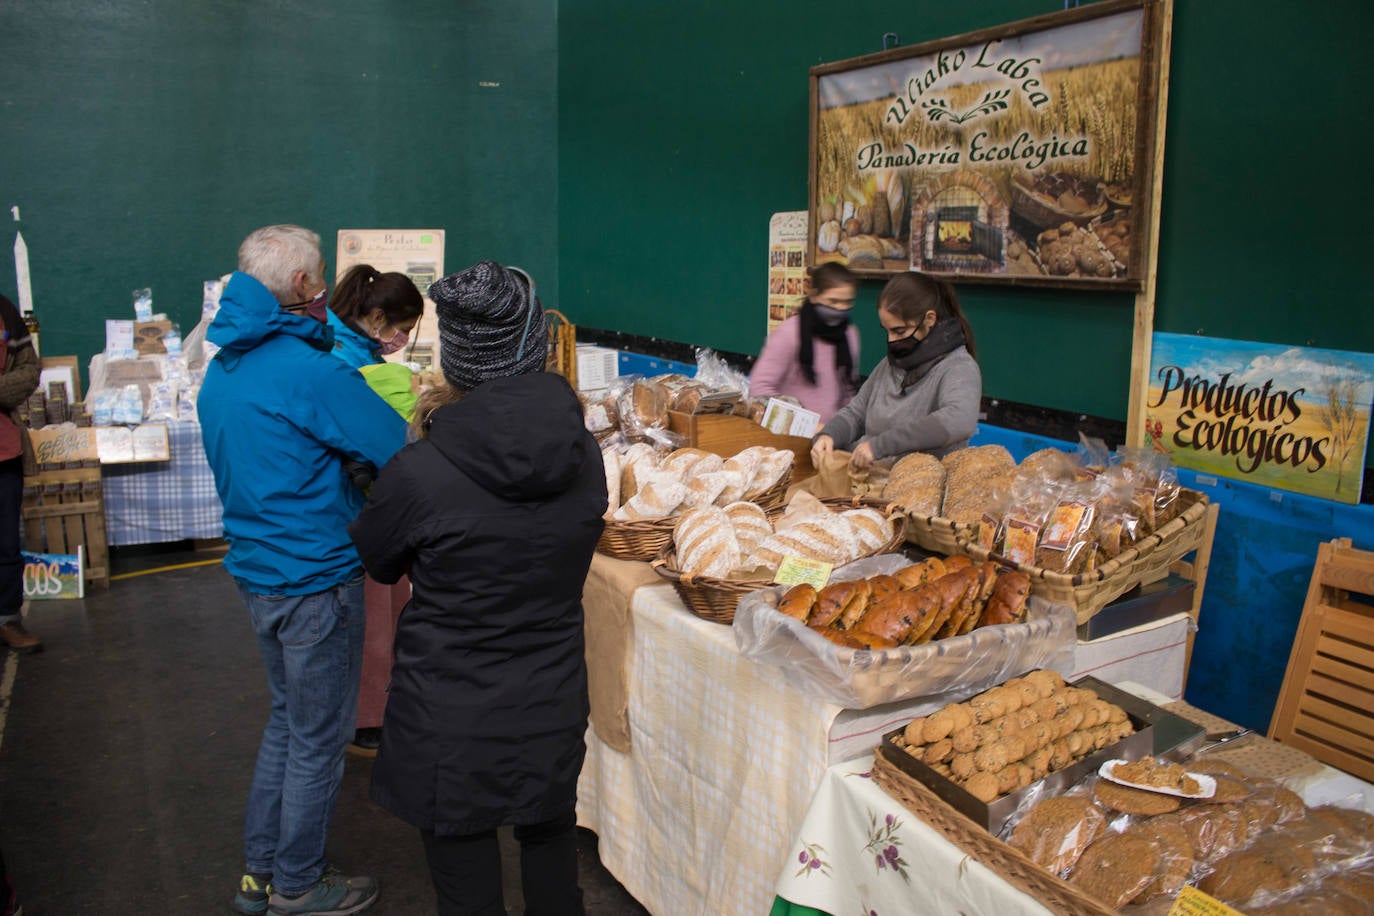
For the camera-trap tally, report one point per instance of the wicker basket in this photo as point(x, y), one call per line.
point(1012, 866)
point(1145, 561)
point(645, 538)
point(1042, 214)
point(715, 599)
point(939, 535)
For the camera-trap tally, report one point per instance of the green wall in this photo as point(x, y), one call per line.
point(143, 139)
point(683, 127)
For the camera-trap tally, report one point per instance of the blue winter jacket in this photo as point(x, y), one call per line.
point(278, 413)
point(352, 347)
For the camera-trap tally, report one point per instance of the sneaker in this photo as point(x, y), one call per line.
point(335, 895)
point(365, 743)
point(14, 635)
point(254, 890)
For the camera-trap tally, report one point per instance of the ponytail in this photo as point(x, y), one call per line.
point(364, 288)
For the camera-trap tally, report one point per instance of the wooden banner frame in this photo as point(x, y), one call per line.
point(911, 170)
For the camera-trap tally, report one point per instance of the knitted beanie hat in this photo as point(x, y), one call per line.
point(491, 325)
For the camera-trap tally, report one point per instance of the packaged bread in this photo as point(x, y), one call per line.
point(1027, 511)
point(1068, 541)
point(643, 405)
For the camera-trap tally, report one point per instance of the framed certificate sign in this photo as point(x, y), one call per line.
point(1022, 153)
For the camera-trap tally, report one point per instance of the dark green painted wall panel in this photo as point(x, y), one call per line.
point(143, 140)
point(683, 127)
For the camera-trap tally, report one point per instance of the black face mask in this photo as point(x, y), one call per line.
point(831, 316)
point(902, 347)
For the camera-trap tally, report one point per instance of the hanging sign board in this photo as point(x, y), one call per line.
point(417, 253)
point(1016, 154)
point(787, 279)
point(1295, 418)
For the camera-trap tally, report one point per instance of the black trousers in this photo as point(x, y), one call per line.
point(467, 870)
point(11, 562)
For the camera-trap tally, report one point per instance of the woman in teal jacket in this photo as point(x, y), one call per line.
point(372, 314)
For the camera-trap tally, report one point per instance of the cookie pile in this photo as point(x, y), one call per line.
point(1254, 844)
point(1005, 738)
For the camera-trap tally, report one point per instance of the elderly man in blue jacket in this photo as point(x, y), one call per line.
point(280, 415)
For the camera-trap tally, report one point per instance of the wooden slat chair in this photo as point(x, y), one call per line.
point(1326, 704)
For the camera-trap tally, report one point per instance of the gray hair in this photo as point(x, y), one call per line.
point(272, 255)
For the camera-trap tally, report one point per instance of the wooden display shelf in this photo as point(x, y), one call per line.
point(726, 435)
point(63, 510)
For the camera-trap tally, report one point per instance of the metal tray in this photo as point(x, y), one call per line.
point(993, 816)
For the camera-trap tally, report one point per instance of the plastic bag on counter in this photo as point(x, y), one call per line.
point(128, 406)
point(162, 402)
point(957, 666)
point(1093, 454)
point(101, 405)
point(643, 408)
point(1157, 493)
point(1028, 509)
point(1068, 542)
point(717, 374)
point(186, 403)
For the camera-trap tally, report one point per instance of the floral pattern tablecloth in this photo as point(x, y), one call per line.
point(860, 853)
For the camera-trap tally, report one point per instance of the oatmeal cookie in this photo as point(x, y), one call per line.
point(1055, 832)
point(1116, 868)
point(1130, 800)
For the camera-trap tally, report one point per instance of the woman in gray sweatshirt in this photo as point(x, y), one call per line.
point(926, 395)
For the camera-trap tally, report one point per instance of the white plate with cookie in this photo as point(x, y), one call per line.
point(1164, 778)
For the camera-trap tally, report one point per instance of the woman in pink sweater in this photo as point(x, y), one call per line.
point(812, 355)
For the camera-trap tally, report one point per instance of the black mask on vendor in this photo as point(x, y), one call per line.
point(903, 347)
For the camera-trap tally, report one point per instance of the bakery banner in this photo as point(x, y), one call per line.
point(1295, 418)
point(1021, 153)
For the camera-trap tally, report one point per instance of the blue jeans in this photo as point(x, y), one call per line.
point(312, 646)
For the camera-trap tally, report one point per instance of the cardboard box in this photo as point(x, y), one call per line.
point(596, 366)
point(148, 336)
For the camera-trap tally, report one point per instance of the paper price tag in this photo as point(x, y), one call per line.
point(1193, 902)
point(795, 570)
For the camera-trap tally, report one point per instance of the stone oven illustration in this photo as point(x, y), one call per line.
point(958, 223)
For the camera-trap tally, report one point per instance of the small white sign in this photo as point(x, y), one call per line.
point(787, 419)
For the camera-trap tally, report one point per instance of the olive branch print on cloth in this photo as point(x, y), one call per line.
point(884, 844)
point(811, 861)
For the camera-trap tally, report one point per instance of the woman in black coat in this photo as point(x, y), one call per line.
point(494, 511)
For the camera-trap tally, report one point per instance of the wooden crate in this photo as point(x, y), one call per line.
point(1326, 704)
point(64, 510)
point(726, 434)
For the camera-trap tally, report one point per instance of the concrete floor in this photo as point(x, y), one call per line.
point(127, 746)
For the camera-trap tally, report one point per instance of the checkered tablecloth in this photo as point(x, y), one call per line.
point(156, 501)
point(724, 757)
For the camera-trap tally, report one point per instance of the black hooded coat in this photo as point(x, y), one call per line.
point(495, 515)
